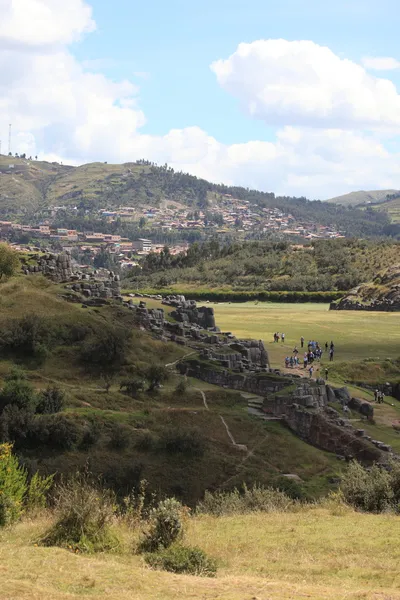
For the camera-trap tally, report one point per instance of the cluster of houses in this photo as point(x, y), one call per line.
point(229, 213)
point(90, 243)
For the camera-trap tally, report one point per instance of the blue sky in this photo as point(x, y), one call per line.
point(175, 42)
point(298, 97)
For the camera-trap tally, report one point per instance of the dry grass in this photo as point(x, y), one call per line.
point(309, 554)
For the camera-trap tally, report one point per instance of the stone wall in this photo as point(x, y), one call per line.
point(58, 267)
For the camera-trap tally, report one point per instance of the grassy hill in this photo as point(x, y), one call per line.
point(362, 197)
point(167, 437)
point(319, 553)
point(28, 187)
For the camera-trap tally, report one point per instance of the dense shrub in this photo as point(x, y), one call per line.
point(20, 393)
point(120, 436)
point(37, 492)
point(190, 442)
point(57, 432)
point(165, 526)
point(13, 486)
point(249, 500)
point(15, 424)
point(374, 490)
point(51, 400)
point(84, 514)
point(183, 559)
point(132, 387)
point(106, 350)
point(30, 336)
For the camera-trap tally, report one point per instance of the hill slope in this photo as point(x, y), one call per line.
point(324, 265)
point(362, 197)
point(27, 188)
point(167, 437)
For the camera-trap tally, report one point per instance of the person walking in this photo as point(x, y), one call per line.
point(302, 341)
point(376, 393)
point(326, 346)
point(283, 337)
point(305, 360)
point(311, 371)
point(331, 355)
point(326, 373)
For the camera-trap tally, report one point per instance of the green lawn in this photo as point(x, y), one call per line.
point(357, 335)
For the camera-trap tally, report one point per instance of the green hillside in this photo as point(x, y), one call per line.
point(392, 208)
point(267, 266)
point(28, 187)
point(362, 197)
point(167, 437)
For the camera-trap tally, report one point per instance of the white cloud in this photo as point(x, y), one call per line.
point(381, 63)
point(40, 23)
point(302, 83)
point(68, 111)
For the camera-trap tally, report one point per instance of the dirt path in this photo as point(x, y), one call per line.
point(239, 446)
point(179, 359)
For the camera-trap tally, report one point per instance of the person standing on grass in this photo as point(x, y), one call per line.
point(283, 337)
point(326, 374)
point(311, 371)
point(302, 341)
point(326, 346)
point(331, 354)
point(376, 392)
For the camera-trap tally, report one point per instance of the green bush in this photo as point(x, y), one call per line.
point(165, 526)
point(20, 393)
point(156, 375)
point(37, 492)
point(51, 400)
point(190, 442)
point(30, 336)
point(183, 559)
point(84, 514)
point(132, 387)
point(372, 490)
point(13, 486)
point(253, 499)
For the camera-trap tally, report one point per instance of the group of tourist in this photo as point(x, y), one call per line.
point(314, 353)
point(279, 336)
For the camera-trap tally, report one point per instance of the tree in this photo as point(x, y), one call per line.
point(155, 375)
point(9, 261)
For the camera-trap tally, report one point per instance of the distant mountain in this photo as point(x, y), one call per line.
point(363, 197)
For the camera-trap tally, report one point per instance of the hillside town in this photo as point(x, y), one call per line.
point(226, 215)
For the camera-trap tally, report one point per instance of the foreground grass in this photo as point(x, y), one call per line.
point(310, 554)
point(357, 335)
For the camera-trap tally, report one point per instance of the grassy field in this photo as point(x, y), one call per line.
point(317, 553)
point(357, 335)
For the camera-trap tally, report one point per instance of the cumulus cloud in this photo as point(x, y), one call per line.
point(40, 23)
point(69, 111)
point(381, 63)
point(302, 83)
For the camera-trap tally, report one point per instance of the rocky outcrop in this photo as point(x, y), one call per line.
point(255, 383)
point(58, 267)
point(186, 311)
point(382, 294)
